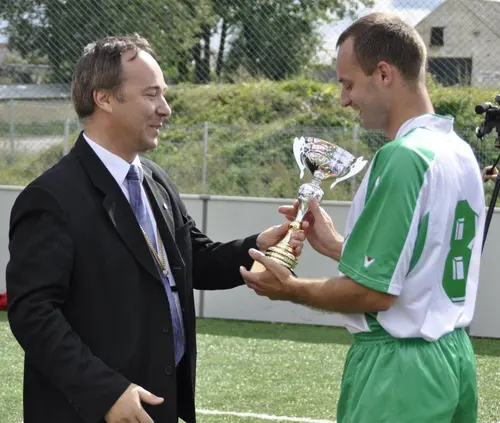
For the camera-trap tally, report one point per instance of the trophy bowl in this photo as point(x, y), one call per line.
point(324, 160)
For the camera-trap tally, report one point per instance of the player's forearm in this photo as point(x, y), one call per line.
point(336, 250)
point(339, 294)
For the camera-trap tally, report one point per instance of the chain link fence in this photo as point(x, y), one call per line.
point(232, 160)
point(230, 45)
point(258, 160)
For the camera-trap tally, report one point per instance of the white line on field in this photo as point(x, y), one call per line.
point(262, 416)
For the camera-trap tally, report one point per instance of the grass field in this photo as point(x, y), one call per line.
point(277, 370)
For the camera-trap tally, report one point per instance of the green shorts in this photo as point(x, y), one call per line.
point(389, 380)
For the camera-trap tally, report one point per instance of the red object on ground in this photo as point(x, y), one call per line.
point(3, 301)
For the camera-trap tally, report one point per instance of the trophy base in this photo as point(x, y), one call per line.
point(281, 253)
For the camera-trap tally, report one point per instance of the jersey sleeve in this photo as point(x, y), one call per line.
point(380, 248)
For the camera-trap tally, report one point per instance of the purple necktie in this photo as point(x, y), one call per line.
point(141, 212)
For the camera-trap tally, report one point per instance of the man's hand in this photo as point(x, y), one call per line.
point(318, 228)
point(275, 282)
point(489, 177)
point(128, 408)
point(274, 234)
point(337, 294)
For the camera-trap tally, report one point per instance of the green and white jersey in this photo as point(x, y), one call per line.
point(415, 230)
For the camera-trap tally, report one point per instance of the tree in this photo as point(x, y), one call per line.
point(276, 39)
point(273, 39)
point(58, 30)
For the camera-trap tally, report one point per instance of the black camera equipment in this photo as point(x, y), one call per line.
point(491, 121)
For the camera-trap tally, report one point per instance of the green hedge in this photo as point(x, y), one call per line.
point(251, 127)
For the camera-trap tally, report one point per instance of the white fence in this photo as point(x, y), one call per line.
point(226, 218)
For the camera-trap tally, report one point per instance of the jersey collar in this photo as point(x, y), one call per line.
point(430, 121)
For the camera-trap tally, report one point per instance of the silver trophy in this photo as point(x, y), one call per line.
point(324, 160)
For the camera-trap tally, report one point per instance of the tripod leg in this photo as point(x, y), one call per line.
point(491, 208)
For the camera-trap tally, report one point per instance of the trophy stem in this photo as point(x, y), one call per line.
point(317, 178)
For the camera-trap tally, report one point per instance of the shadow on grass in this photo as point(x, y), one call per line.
point(276, 331)
point(306, 333)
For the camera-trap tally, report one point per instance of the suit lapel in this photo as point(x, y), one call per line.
point(164, 219)
point(116, 206)
point(161, 200)
point(165, 222)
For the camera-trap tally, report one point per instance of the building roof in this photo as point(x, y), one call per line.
point(487, 11)
point(35, 92)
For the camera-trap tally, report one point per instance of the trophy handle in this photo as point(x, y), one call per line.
point(298, 148)
point(356, 167)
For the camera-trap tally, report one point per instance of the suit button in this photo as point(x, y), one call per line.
point(169, 370)
point(165, 330)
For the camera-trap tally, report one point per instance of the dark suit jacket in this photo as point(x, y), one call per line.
point(86, 302)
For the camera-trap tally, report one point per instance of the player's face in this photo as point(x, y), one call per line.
point(360, 91)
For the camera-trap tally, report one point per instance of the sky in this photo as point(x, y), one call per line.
point(3, 39)
point(413, 11)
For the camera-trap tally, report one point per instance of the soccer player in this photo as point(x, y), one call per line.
point(488, 174)
point(409, 261)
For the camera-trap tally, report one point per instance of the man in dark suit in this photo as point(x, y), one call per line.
point(104, 258)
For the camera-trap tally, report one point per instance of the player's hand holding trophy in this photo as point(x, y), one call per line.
point(325, 161)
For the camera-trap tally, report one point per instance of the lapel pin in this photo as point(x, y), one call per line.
point(165, 206)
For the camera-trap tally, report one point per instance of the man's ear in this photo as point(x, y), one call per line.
point(102, 99)
point(386, 73)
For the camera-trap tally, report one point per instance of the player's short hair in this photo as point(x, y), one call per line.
point(386, 37)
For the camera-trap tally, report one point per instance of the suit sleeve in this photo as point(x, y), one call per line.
point(38, 279)
point(216, 264)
